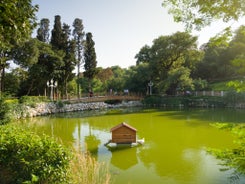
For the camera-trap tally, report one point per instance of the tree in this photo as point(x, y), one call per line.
point(56, 38)
point(16, 24)
point(17, 21)
point(13, 81)
point(104, 74)
point(69, 59)
point(178, 79)
point(90, 61)
point(223, 57)
point(27, 53)
point(144, 55)
point(43, 31)
point(117, 82)
point(65, 48)
point(199, 13)
point(47, 66)
point(215, 64)
point(78, 34)
point(137, 78)
point(168, 53)
point(237, 51)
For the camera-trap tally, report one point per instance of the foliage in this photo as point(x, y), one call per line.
point(171, 59)
point(220, 85)
point(153, 99)
point(11, 83)
point(232, 158)
point(17, 21)
point(113, 102)
point(60, 104)
point(84, 84)
point(137, 78)
point(26, 53)
point(32, 100)
point(56, 37)
point(4, 115)
point(90, 61)
point(232, 98)
point(184, 100)
point(97, 86)
point(216, 63)
point(104, 74)
point(78, 34)
point(28, 158)
point(200, 84)
point(236, 85)
point(177, 80)
point(237, 49)
point(201, 13)
point(18, 108)
point(69, 60)
point(43, 31)
point(16, 24)
point(160, 101)
point(117, 82)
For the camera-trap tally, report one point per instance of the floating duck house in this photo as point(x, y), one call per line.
point(123, 134)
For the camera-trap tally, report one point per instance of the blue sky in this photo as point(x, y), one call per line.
point(120, 28)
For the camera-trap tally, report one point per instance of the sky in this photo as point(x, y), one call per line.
point(120, 28)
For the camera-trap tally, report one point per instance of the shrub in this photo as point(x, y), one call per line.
point(60, 104)
point(4, 109)
point(153, 99)
point(232, 158)
point(113, 102)
point(28, 158)
point(32, 100)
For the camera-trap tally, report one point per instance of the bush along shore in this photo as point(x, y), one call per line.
point(26, 157)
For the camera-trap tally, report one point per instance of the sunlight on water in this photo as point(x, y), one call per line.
point(175, 143)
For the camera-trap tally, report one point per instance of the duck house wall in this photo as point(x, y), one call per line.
point(123, 135)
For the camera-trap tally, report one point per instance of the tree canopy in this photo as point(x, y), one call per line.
point(166, 56)
point(17, 21)
point(200, 13)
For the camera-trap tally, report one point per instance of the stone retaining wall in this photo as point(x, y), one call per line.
point(41, 109)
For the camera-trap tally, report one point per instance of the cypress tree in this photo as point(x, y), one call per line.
point(56, 37)
point(90, 61)
point(78, 34)
point(43, 31)
point(69, 58)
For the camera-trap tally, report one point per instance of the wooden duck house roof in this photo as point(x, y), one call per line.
point(123, 125)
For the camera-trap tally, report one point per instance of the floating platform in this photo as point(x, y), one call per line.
point(133, 144)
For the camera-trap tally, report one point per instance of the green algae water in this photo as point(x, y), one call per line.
point(175, 149)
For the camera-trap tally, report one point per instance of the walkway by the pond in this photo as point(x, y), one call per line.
point(105, 98)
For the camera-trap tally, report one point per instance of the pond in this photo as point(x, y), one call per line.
point(175, 149)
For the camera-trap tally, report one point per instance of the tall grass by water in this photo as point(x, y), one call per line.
point(86, 169)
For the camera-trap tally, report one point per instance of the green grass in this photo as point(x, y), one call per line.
point(219, 86)
point(222, 85)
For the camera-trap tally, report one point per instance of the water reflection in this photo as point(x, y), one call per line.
point(123, 156)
